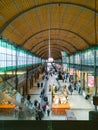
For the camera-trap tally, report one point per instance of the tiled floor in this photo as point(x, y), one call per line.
point(79, 105)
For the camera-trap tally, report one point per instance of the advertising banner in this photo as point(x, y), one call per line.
point(90, 81)
point(71, 71)
point(64, 68)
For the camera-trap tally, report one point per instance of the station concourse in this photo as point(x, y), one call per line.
point(49, 60)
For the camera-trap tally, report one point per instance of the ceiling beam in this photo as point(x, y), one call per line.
point(52, 47)
point(65, 30)
point(43, 5)
point(61, 48)
point(61, 40)
point(46, 49)
point(57, 54)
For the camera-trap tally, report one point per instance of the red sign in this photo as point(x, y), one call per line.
point(90, 81)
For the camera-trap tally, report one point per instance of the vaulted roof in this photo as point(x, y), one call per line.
point(73, 25)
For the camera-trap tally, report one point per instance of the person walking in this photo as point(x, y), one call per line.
point(71, 90)
point(79, 87)
point(44, 108)
point(48, 109)
point(28, 97)
point(36, 115)
point(41, 84)
point(38, 84)
point(20, 114)
point(16, 111)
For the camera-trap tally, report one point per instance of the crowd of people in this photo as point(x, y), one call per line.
point(68, 79)
point(38, 109)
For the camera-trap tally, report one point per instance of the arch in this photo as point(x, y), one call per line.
point(39, 6)
point(53, 39)
point(65, 30)
point(46, 54)
point(55, 56)
point(46, 49)
point(53, 47)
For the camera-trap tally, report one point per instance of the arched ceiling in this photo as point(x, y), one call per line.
point(73, 25)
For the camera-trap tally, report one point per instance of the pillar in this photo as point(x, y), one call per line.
point(81, 75)
point(95, 82)
point(16, 69)
point(26, 80)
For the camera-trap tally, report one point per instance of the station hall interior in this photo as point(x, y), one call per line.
point(49, 60)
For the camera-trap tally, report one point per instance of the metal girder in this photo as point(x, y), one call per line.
point(37, 15)
point(61, 48)
point(45, 52)
point(65, 30)
point(55, 46)
point(45, 56)
point(43, 5)
point(44, 49)
point(56, 56)
point(62, 40)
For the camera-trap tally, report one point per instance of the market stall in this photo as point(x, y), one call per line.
point(7, 99)
point(60, 104)
point(7, 108)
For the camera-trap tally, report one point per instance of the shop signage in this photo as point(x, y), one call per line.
point(90, 81)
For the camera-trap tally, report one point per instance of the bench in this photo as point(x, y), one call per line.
point(70, 115)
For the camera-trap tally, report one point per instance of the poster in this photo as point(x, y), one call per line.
point(90, 81)
point(71, 71)
point(64, 68)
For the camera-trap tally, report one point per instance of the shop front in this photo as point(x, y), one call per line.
point(7, 99)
